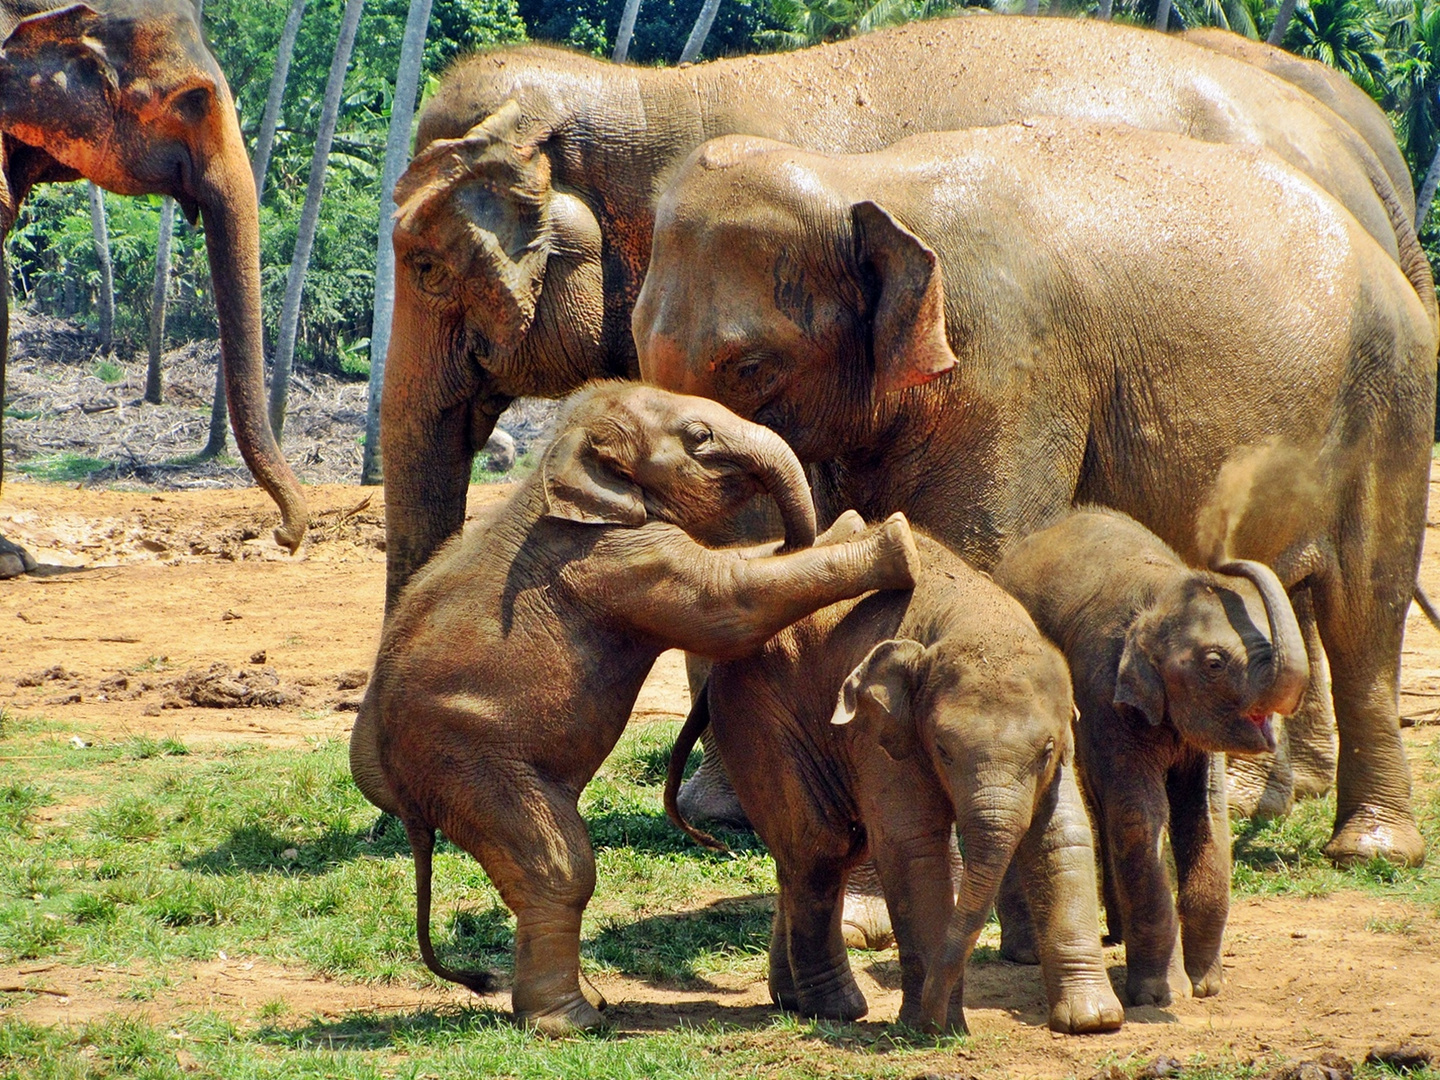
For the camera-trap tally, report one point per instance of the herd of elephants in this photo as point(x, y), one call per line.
point(1134, 331)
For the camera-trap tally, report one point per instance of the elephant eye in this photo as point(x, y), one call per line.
point(1047, 754)
point(698, 436)
point(431, 274)
point(193, 105)
point(1215, 660)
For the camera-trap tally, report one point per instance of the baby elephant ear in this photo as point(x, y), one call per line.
point(1138, 683)
point(879, 689)
point(580, 487)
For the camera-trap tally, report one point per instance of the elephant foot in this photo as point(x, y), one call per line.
point(1260, 787)
point(843, 1003)
point(1370, 832)
point(1017, 943)
point(708, 797)
point(865, 918)
point(1088, 1009)
point(1209, 983)
point(14, 560)
point(1148, 989)
point(569, 1017)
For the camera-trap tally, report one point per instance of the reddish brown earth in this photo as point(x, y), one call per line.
point(193, 578)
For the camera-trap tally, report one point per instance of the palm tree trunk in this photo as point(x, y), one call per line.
point(397, 149)
point(1162, 16)
point(1282, 23)
point(107, 271)
point(265, 141)
point(700, 31)
point(1104, 10)
point(310, 216)
point(627, 29)
point(1427, 191)
point(153, 391)
point(1032, 7)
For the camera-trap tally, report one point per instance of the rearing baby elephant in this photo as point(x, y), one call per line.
point(508, 670)
point(983, 328)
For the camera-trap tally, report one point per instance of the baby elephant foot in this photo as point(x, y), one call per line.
point(1085, 1010)
point(897, 559)
point(1148, 989)
point(1208, 983)
point(570, 1017)
point(14, 560)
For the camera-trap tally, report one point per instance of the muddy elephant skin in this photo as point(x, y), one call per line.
point(525, 219)
point(508, 671)
point(1173, 668)
point(984, 328)
point(125, 93)
point(874, 726)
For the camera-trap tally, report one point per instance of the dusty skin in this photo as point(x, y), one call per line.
point(193, 576)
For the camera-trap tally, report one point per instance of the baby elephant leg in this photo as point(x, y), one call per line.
point(1134, 819)
point(534, 845)
point(1200, 836)
point(1057, 863)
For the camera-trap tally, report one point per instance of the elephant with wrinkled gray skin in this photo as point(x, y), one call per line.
point(984, 328)
point(125, 93)
point(524, 221)
point(875, 726)
point(1173, 669)
point(511, 664)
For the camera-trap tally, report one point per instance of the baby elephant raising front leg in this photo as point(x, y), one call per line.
point(510, 665)
point(1173, 668)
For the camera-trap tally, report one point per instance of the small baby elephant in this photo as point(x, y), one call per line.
point(1173, 668)
point(878, 725)
point(510, 665)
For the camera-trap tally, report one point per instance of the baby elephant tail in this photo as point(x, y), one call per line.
point(695, 724)
point(1427, 606)
point(422, 846)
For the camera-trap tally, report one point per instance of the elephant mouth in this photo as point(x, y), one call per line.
point(1264, 723)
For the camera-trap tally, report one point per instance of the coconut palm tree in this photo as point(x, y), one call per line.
point(1344, 35)
point(1415, 90)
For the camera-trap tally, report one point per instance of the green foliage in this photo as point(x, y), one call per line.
point(64, 468)
point(661, 28)
point(1345, 35)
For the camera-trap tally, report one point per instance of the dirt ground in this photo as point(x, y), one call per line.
point(180, 581)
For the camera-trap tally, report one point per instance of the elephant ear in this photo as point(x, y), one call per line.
point(1138, 684)
point(908, 316)
point(480, 202)
point(581, 486)
point(879, 691)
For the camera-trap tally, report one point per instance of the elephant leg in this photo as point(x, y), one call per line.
point(1134, 819)
point(825, 987)
point(1017, 925)
point(533, 844)
point(1057, 867)
point(1362, 624)
point(708, 796)
point(916, 875)
point(1200, 837)
point(865, 920)
point(782, 979)
point(1311, 731)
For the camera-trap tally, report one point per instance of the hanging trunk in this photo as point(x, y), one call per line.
point(153, 393)
point(107, 274)
point(627, 28)
point(1282, 23)
point(265, 141)
point(700, 32)
point(397, 150)
point(310, 217)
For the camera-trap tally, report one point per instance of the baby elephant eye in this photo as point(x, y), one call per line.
point(1046, 755)
point(698, 436)
point(1215, 660)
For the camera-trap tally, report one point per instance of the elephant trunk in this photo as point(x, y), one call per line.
point(225, 194)
point(767, 457)
point(992, 823)
point(1278, 687)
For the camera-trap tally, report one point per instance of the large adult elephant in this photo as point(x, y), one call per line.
point(983, 328)
point(126, 94)
point(525, 219)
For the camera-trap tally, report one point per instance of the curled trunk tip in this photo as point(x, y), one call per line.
point(1289, 670)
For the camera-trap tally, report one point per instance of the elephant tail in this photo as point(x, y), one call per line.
point(1427, 606)
point(695, 724)
point(422, 846)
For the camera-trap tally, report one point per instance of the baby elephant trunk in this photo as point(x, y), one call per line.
point(765, 456)
point(1279, 685)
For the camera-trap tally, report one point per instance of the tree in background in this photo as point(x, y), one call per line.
point(626, 31)
point(1344, 35)
point(397, 152)
point(101, 231)
point(164, 238)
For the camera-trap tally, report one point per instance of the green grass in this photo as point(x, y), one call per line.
point(151, 855)
point(109, 372)
point(525, 464)
point(63, 468)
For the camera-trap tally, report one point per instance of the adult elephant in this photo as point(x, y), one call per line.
point(126, 94)
point(525, 219)
point(984, 328)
